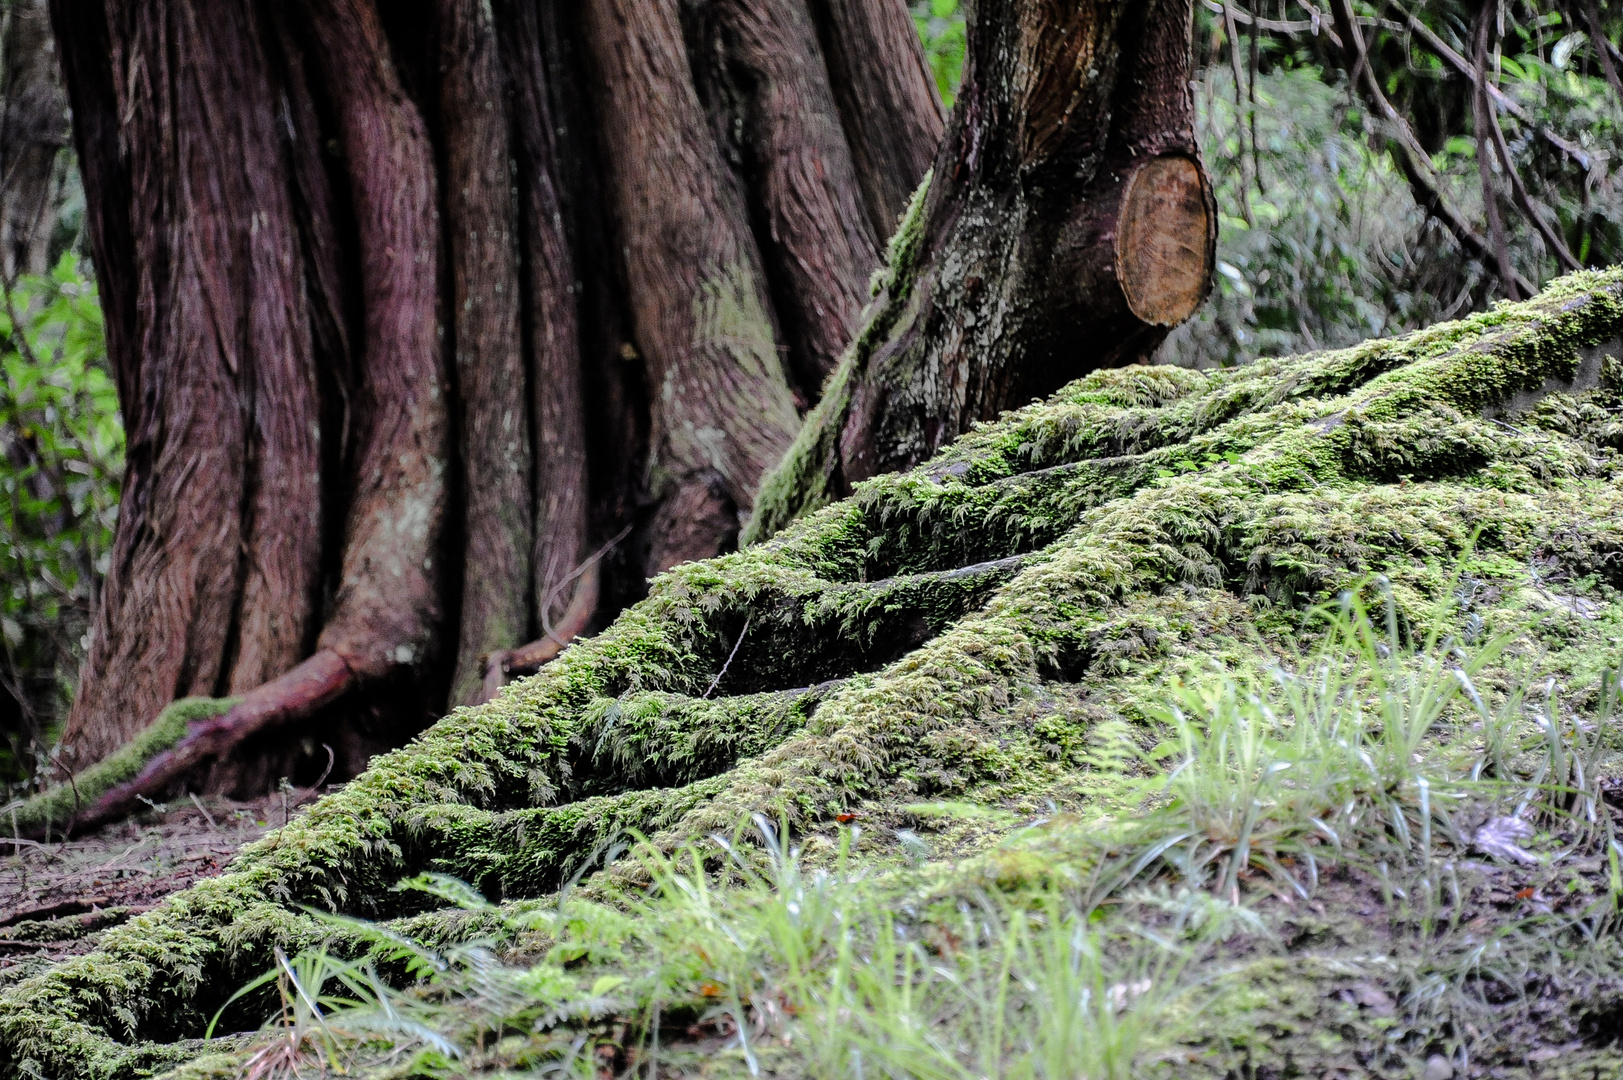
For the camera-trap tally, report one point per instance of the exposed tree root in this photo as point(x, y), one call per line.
point(504, 665)
point(314, 683)
point(188, 734)
point(981, 617)
point(54, 812)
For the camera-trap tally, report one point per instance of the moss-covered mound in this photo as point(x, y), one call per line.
point(951, 633)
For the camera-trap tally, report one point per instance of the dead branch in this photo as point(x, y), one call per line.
point(1412, 25)
point(1484, 120)
point(1603, 44)
point(1518, 189)
point(1461, 66)
point(1239, 108)
point(1410, 157)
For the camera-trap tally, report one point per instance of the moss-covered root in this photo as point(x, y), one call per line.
point(52, 811)
point(805, 480)
point(975, 618)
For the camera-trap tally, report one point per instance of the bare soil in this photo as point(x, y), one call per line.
point(55, 898)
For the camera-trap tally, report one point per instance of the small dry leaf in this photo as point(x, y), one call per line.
point(1499, 838)
point(1374, 999)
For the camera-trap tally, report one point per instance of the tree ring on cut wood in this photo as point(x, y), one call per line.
point(1164, 240)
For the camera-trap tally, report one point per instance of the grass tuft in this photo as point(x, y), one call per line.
point(1150, 945)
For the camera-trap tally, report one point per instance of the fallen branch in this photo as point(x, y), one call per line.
point(79, 905)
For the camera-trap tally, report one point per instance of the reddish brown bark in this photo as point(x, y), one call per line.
point(387, 608)
point(405, 327)
point(561, 486)
point(723, 411)
point(892, 114)
point(819, 243)
point(317, 681)
point(484, 322)
point(210, 325)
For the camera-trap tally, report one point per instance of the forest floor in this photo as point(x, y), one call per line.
point(55, 898)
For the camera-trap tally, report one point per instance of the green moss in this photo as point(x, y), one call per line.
point(53, 810)
point(804, 480)
point(968, 628)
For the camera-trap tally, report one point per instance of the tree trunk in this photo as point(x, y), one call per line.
point(33, 131)
point(438, 327)
point(1069, 225)
point(208, 338)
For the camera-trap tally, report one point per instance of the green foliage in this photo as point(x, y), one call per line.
point(1322, 243)
point(61, 459)
point(942, 30)
point(1325, 257)
point(1107, 963)
point(823, 970)
point(1370, 749)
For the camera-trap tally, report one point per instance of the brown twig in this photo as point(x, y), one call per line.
point(1233, 35)
point(1484, 120)
point(1251, 99)
point(588, 565)
point(1524, 202)
point(208, 817)
point(1602, 43)
point(322, 779)
point(528, 659)
point(723, 672)
point(1410, 158)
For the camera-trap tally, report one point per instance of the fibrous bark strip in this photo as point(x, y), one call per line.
point(485, 323)
point(205, 321)
point(723, 410)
